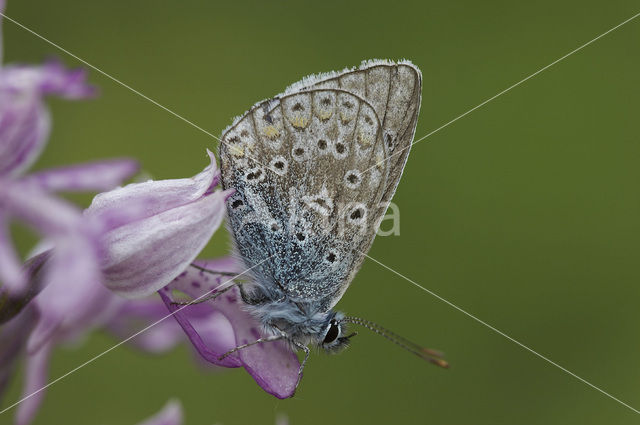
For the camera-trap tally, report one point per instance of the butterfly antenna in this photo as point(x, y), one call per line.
point(432, 356)
point(206, 270)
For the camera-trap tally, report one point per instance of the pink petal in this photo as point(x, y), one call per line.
point(40, 210)
point(94, 176)
point(24, 120)
point(159, 196)
point(217, 343)
point(13, 336)
point(171, 414)
point(282, 419)
point(24, 130)
point(11, 274)
point(74, 301)
point(273, 365)
point(147, 254)
point(135, 315)
point(76, 250)
point(52, 78)
point(36, 378)
point(33, 269)
point(66, 83)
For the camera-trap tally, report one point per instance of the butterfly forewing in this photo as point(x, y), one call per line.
point(394, 91)
point(313, 172)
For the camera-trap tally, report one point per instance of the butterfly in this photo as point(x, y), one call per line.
point(314, 170)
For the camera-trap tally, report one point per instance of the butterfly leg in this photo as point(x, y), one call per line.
point(207, 298)
point(304, 361)
point(257, 341)
point(203, 269)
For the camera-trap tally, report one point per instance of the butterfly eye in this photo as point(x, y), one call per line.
point(332, 333)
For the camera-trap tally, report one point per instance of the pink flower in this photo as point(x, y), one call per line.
point(146, 235)
point(219, 325)
point(174, 221)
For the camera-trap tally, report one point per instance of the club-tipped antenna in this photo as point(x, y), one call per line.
point(432, 356)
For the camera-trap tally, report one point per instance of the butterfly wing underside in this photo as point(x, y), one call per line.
point(314, 171)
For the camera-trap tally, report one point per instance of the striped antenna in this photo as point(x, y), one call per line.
point(432, 356)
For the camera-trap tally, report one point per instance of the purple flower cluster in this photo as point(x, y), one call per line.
point(103, 268)
point(30, 198)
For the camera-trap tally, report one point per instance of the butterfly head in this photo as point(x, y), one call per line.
point(333, 336)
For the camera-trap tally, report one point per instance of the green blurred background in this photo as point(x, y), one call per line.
point(524, 213)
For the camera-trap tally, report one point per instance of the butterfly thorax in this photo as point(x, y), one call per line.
point(298, 322)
